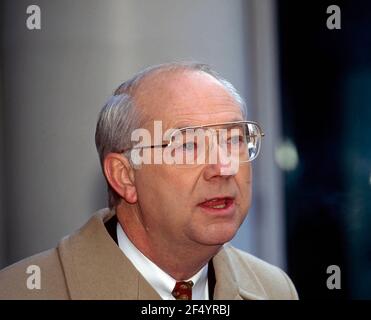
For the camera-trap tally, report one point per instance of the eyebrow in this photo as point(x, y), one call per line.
point(181, 125)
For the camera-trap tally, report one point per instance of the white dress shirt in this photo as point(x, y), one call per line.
point(157, 278)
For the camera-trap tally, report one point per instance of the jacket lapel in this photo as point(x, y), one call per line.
point(234, 280)
point(95, 267)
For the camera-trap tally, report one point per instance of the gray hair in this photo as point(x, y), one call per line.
point(119, 117)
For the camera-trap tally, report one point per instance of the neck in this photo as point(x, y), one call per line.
point(180, 260)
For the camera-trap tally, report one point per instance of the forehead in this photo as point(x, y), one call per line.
point(186, 98)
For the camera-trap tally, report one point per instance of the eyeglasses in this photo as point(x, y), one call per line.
point(206, 144)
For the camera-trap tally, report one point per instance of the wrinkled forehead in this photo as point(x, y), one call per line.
point(186, 98)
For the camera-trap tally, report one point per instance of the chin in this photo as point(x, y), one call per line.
point(217, 235)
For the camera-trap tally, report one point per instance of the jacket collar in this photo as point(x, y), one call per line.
point(95, 268)
point(234, 278)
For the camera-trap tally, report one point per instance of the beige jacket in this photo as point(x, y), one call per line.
point(89, 265)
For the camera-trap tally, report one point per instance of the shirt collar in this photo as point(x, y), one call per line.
point(162, 282)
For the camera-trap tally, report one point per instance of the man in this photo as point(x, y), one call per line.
point(175, 200)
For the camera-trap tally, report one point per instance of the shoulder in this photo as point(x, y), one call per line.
point(18, 281)
point(52, 267)
point(273, 281)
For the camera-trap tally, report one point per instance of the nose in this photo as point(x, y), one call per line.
point(224, 167)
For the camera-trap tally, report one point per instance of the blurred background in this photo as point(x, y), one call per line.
point(308, 86)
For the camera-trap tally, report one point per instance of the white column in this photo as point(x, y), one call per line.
point(264, 86)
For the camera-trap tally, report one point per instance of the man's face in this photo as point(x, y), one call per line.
point(171, 198)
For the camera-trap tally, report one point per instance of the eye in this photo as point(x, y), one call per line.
point(235, 140)
point(189, 146)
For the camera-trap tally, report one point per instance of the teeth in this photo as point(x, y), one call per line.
point(220, 206)
point(217, 203)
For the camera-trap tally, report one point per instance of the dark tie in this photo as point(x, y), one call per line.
point(183, 290)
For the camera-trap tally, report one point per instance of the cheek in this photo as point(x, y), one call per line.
point(153, 198)
point(179, 184)
point(163, 188)
point(244, 182)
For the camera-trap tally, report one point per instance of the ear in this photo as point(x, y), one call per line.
point(120, 176)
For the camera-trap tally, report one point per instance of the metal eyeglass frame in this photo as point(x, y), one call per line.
point(168, 144)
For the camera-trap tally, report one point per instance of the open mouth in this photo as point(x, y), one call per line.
point(218, 203)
